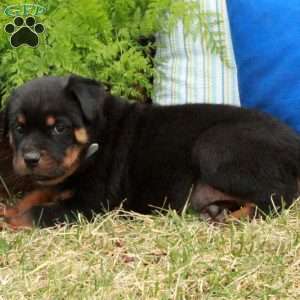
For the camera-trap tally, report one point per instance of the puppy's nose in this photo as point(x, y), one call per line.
point(32, 158)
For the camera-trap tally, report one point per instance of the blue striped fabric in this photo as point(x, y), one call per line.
point(188, 72)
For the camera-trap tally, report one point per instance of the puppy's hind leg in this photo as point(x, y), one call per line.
point(216, 206)
point(256, 166)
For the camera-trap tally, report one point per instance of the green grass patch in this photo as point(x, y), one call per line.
point(131, 256)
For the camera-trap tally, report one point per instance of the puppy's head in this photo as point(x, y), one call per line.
point(51, 123)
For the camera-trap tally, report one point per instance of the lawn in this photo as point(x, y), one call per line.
point(164, 256)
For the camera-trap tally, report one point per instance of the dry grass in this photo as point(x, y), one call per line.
point(154, 257)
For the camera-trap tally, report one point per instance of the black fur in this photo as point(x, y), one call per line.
point(149, 156)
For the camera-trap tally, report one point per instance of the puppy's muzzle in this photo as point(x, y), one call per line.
point(32, 159)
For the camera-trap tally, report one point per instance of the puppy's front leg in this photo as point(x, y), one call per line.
point(21, 216)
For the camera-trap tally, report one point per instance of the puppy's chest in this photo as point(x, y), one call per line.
point(98, 184)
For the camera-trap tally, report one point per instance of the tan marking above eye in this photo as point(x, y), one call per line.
point(50, 121)
point(21, 119)
point(81, 135)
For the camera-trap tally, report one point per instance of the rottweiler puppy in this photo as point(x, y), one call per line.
point(90, 152)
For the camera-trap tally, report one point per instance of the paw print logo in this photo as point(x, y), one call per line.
point(24, 33)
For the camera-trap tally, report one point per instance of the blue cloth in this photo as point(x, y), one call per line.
point(266, 40)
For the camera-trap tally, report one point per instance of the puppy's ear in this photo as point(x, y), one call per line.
point(89, 94)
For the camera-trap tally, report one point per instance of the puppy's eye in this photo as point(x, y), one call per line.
point(19, 129)
point(58, 129)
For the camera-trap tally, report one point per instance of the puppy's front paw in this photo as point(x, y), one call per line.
point(17, 222)
point(2, 210)
point(7, 212)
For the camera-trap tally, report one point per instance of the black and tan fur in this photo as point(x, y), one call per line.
point(149, 156)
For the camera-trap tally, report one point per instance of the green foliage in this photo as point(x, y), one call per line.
point(99, 39)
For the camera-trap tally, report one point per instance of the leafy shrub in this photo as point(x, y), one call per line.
point(100, 39)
